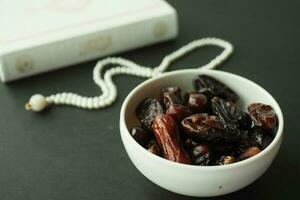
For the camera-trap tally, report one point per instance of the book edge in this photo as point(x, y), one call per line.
point(2, 78)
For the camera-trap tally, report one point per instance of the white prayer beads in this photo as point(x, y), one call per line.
point(109, 91)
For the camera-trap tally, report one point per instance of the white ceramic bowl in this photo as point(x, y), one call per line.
point(201, 181)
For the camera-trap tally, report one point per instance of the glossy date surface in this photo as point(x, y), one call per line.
point(166, 133)
point(205, 127)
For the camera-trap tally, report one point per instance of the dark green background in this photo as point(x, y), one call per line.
point(67, 153)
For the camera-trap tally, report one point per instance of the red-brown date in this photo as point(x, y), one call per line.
point(263, 115)
point(213, 128)
point(250, 152)
point(171, 96)
point(178, 112)
point(197, 103)
point(166, 133)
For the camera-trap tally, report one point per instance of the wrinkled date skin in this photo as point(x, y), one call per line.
point(197, 103)
point(212, 87)
point(224, 112)
point(171, 96)
point(148, 110)
point(178, 112)
point(243, 118)
point(173, 103)
point(201, 155)
point(205, 127)
point(263, 115)
point(166, 133)
point(209, 128)
point(259, 137)
point(230, 115)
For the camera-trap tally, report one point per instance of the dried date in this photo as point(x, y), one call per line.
point(171, 96)
point(174, 104)
point(263, 116)
point(259, 137)
point(212, 87)
point(141, 136)
point(178, 112)
point(148, 110)
point(208, 128)
point(224, 112)
point(197, 102)
point(230, 115)
point(166, 133)
point(201, 155)
point(213, 129)
point(250, 152)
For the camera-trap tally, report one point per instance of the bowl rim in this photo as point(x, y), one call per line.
point(125, 132)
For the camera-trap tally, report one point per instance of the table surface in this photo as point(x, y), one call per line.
point(68, 153)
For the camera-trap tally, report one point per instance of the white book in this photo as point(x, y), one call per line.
point(41, 35)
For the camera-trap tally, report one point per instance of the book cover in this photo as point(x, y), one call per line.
point(44, 35)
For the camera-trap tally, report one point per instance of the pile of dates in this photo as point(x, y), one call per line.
point(204, 127)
